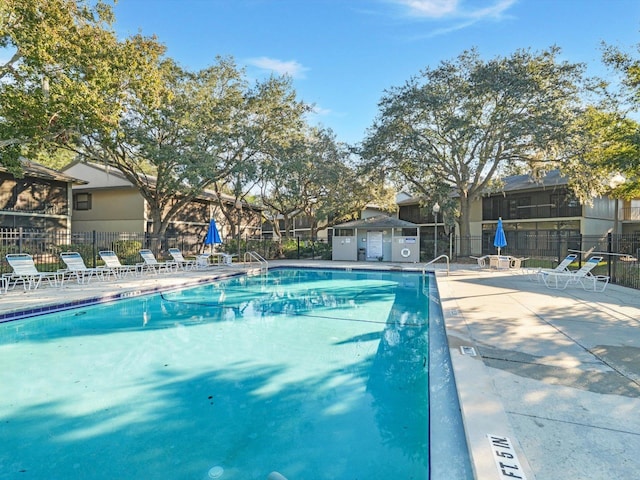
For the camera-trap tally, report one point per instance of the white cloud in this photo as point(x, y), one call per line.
point(291, 67)
point(321, 111)
point(456, 8)
point(495, 10)
point(431, 8)
point(455, 14)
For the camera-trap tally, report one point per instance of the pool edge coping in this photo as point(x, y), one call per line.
point(133, 292)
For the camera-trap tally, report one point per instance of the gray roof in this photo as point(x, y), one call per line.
point(379, 221)
point(36, 170)
point(527, 182)
point(514, 183)
point(204, 195)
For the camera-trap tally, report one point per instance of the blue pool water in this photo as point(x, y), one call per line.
point(316, 374)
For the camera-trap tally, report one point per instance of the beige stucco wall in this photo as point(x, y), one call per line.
point(96, 177)
point(119, 210)
point(475, 218)
point(602, 208)
point(598, 217)
point(345, 248)
point(405, 249)
point(594, 226)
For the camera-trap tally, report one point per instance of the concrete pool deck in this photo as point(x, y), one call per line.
point(557, 373)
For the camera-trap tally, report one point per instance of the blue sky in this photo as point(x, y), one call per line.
point(343, 54)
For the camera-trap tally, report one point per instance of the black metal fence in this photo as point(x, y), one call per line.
point(45, 247)
point(621, 252)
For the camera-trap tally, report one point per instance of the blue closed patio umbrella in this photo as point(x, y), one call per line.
point(499, 240)
point(213, 236)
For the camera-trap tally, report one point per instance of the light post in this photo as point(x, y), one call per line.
point(436, 209)
point(614, 182)
point(617, 180)
point(239, 211)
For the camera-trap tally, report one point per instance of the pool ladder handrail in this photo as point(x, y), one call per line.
point(424, 268)
point(250, 257)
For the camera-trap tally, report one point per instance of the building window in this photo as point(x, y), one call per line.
point(82, 201)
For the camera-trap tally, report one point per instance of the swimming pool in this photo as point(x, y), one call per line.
point(317, 374)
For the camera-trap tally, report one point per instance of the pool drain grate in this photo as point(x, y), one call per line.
point(467, 350)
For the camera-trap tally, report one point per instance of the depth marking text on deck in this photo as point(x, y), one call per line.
point(505, 458)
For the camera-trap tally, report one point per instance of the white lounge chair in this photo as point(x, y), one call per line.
point(25, 271)
point(182, 262)
point(499, 262)
point(583, 277)
point(77, 268)
point(224, 258)
point(482, 261)
point(202, 260)
point(152, 265)
point(515, 263)
point(112, 262)
point(563, 266)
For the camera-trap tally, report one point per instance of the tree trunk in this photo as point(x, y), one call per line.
point(464, 226)
point(286, 221)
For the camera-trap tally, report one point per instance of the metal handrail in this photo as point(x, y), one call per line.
point(250, 256)
point(424, 268)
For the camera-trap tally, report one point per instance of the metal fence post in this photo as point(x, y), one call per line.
point(93, 248)
point(611, 271)
point(581, 248)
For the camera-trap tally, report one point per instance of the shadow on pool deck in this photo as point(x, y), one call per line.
point(557, 372)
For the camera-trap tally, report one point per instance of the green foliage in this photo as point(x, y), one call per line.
point(67, 74)
point(291, 248)
point(55, 159)
point(274, 123)
point(463, 123)
point(189, 131)
point(128, 251)
point(268, 248)
point(71, 83)
point(605, 143)
point(606, 139)
point(84, 249)
point(313, 177)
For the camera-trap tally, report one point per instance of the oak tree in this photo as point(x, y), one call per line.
point(460, 124)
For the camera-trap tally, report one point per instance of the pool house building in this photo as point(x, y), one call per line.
point(379, 238)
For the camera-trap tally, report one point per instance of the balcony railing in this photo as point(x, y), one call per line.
point(37, 208)
point(535, 211)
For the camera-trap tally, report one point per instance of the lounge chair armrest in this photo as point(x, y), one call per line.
point(482, 261)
